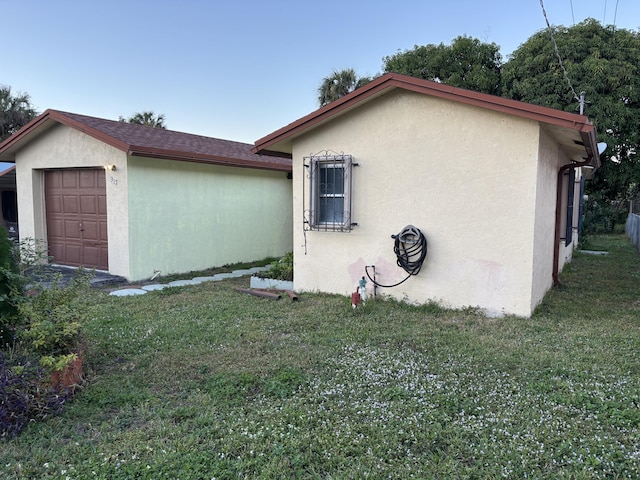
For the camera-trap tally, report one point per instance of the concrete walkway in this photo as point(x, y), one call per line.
point(125, 292)
point(48, 275)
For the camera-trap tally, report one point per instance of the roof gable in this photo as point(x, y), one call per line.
point(145, 141)
point(580, 133)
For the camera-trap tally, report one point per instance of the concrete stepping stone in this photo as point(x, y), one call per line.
point(206, 279)
point(126, 292)
point(182, 283)
point(155, 286)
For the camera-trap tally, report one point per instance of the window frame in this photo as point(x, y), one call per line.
point(315, 215)
point(568, 234)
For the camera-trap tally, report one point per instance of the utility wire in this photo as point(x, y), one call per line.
point(573, 19)
point(555, 47)
point(604, 15)
point(615, 14)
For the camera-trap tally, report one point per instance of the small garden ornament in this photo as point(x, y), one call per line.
point(360, 295)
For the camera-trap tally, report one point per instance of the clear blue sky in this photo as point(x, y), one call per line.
point(240, 69)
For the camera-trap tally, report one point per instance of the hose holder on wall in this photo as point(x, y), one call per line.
point(410, 247)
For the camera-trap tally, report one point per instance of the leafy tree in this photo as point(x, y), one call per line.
point(603, 63)
point(466, 63)
point(15, 111)
point(146, 118)
point(338, 84)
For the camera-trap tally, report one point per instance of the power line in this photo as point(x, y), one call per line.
point(604, 15)
point(573, 19)
point(555, 47)
point(615, 14)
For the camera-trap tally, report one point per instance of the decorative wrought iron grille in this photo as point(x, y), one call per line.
point(327, 192)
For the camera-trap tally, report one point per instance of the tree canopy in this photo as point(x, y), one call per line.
point(466, 63)
point(603, 62)
point(146, 118)
point(338, 84)
point(15, 111)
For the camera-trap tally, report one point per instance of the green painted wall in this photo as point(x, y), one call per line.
point(189, 216)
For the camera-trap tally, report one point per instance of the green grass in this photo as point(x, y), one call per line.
point(203, 382)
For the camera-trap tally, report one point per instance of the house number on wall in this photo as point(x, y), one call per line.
point(114, 181)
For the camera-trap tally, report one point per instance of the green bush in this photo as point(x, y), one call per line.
point(281, 270)
point(602, 215)
point(40, 333)
point(11, 288)
point(52, 320)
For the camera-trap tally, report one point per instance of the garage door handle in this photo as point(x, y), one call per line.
point(81, 227)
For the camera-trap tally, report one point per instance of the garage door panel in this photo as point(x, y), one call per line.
point(54, 180)
point(102, 205)
point(55, 228)
point(103, 232)
point(90, 231)
point(73, 254)
point(91, 255)
point(69, 179)
point(56, 250)
point(54, 205)
point(88, 204)
point(72, 229)
point(70, 204)
point(76, 209)
point(87, 179)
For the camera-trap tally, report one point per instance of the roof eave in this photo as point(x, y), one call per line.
point(42, 122)
point(136, 151)
point(589, 138)
point(392, 81)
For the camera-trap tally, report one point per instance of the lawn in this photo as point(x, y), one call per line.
point(203, 382)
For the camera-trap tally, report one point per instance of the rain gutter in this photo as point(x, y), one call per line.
point(591, 160)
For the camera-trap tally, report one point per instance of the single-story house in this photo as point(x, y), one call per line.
point(490, 185)
point(135, 200)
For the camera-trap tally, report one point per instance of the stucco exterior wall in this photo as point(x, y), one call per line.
point(551, 159)
point(65, 147)
point(189, 216)
point(465, 176)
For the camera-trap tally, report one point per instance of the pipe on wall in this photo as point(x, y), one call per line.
point(559, 193)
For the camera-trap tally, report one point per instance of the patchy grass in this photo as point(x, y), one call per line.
point(205, 382)
point(212, 271)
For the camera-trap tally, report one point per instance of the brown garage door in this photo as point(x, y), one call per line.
point(76, 204)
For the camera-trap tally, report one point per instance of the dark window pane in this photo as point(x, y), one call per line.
point(331, 180)
point(331, 210)
point(10, 206)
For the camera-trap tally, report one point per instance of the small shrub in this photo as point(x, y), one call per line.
point(11, 289)
point(281, 270)
point(52, 322)
point(31, 256)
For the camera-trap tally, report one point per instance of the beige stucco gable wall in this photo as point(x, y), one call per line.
point(65, 147)
point(464, 175)
point(190, 216)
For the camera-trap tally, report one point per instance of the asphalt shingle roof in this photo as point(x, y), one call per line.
point(141, 140)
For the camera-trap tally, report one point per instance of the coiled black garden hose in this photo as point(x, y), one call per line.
point(410, 247)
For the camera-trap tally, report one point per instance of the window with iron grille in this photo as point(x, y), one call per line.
point(328, 192)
